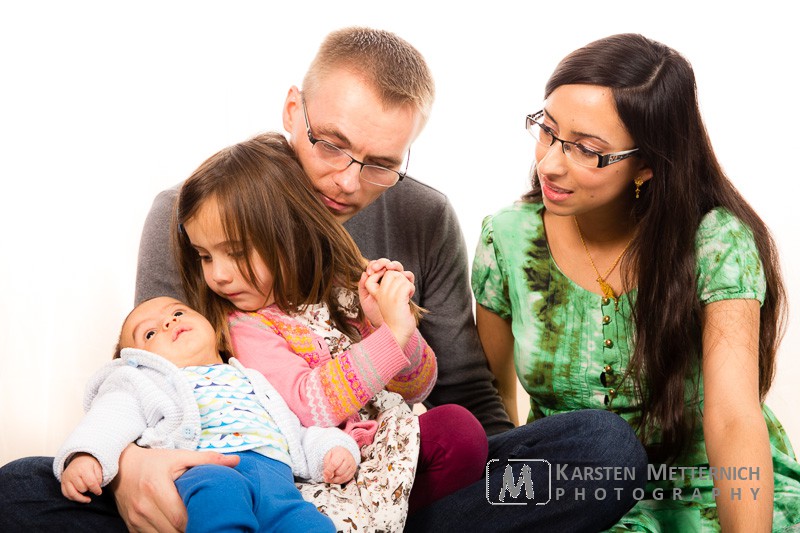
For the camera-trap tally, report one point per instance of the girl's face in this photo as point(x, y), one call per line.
point(586, 114)
point(221, 258)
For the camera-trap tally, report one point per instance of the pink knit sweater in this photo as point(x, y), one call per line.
point(325, 391)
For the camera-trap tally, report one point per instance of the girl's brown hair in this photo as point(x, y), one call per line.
point(267, 206)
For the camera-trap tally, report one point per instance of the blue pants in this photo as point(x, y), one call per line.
point(257, 495)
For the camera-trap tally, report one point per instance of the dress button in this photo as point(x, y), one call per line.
point(608, 343)
point(605, 301)
point(612, 392)
point(606, 319)
point(608, 369)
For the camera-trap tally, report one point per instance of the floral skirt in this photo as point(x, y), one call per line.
point(376, 499)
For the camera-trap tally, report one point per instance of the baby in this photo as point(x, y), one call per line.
point(169, 388)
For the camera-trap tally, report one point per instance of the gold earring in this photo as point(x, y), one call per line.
point(638, 182)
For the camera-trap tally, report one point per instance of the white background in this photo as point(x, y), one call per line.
point(104, 104)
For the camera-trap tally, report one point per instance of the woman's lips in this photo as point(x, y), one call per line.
point(553, 193)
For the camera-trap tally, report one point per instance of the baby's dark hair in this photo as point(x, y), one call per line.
point(118, 347)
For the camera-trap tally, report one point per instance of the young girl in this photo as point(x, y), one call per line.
point(167, 387)
point(260, 255)
point(634, 277)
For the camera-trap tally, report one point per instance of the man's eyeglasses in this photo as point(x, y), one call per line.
point(574, 151)
point(340, 160)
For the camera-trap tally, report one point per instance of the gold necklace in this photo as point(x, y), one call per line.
point(605, 287)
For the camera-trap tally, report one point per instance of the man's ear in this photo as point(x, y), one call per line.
point(291, 107)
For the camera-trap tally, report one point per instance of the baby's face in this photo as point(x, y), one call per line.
point(171, 329)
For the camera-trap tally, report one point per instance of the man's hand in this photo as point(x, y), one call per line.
point(339, 466)
point(145, 486)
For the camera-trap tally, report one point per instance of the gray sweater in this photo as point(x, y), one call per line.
point(411, 223)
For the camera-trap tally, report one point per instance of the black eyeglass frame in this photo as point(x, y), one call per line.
point(313, 140)
point(603, 160)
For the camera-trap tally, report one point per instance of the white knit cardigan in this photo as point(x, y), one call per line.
point(141, 397)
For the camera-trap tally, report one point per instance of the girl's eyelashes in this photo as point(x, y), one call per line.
point(177, 313)
point(149, 334)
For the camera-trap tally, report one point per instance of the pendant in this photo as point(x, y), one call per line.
point(608, 292)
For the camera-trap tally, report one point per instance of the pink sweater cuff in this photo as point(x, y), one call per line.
point(384, 353)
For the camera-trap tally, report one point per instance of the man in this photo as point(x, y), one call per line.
point(364, 100)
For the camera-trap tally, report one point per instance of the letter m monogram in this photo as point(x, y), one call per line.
point(516, 488)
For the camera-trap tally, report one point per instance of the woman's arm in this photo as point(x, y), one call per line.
point(498, 345)
point(733, 424)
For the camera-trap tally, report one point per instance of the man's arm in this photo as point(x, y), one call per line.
point(156, 272)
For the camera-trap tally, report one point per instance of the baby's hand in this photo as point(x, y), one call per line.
point(83, 474)
point(375, 270)
point(339, 466)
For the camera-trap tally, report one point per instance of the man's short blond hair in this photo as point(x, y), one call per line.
point(395, 69)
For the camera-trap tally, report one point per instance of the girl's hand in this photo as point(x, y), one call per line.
point(338, 466)
point(368, 303)
point(392, 291)
point(83, 474)
point(145, 487)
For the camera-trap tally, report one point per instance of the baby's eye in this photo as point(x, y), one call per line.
point(177, 313)
point(149, 335)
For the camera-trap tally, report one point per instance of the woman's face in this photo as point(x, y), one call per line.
point(586, 114)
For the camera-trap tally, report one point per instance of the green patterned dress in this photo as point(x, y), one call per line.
point(571, 347)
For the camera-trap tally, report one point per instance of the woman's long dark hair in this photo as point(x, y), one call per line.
point(656, 98)
point(267, 204)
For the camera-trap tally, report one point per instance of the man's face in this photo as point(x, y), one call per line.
point(348, 114)
point(171, 329)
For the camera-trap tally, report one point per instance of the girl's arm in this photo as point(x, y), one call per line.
point(321, 391)
point(384, 292)
point(415, 381)
point(733, 424)
point(497, 340)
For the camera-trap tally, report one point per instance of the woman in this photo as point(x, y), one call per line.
point(634, 277)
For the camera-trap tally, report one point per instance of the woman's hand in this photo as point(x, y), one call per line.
point(145, 486)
